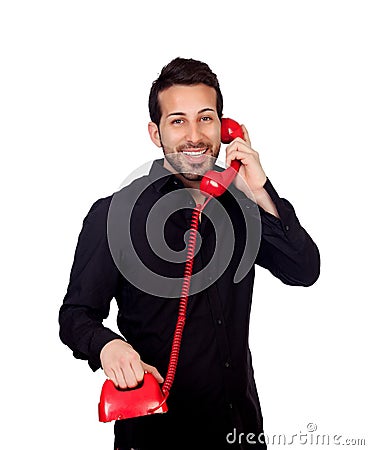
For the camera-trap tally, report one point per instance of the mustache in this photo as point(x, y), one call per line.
point(189, 146)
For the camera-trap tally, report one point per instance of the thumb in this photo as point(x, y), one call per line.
point(154, 371)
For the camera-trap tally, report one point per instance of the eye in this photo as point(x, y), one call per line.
point(206, 119)
point(177, 121)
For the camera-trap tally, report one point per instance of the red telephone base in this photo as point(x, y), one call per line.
point(116, 404)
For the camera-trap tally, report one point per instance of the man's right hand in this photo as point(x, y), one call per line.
point(123, 365)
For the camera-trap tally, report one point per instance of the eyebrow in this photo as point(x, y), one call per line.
point(179, 113)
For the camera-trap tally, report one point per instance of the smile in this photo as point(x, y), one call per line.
point(194, 153)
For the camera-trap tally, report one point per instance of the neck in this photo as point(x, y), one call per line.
point(194, 185)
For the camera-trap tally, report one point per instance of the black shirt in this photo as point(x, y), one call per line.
point(132, 248)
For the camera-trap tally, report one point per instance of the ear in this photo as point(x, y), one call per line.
point(154, 134)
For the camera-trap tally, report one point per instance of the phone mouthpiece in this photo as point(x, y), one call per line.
point(215, 183)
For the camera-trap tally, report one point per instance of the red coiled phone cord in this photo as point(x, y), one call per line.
point(177, 338)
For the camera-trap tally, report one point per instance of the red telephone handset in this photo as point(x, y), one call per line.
point(230, 129)
point(149, 397)
point(215, 183)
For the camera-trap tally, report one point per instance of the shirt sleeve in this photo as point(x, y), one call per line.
point(94, 281)
point(286, 249)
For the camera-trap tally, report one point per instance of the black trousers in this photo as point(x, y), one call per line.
point(187, 430)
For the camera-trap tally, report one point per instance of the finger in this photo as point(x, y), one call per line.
point(116, 377)
point(242, 154)
point(121, 379)
point(239, 149)
point(154, 371)
point(239, 144)
point(138, 370)
point(109, 372)
point(129, 375)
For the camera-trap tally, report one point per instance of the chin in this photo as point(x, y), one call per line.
point(191, 176)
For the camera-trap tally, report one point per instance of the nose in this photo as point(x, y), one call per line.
point(193, 133)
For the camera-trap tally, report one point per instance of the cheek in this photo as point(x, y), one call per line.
point(214, 131)
point(171, 138)
point(215, 137)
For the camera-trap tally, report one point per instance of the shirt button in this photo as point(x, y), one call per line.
point(230, 405)
point(287, 228)
point(227, 364)
point(219, 322)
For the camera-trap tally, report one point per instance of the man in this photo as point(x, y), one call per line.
point(213, 403)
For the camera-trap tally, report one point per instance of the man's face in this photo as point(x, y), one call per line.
point(190, 129)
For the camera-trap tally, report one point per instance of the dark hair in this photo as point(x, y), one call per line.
point(186, 72)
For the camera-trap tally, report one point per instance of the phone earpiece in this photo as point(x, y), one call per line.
point(215, 183)
point(230, 129)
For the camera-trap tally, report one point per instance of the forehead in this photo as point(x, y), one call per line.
point(187, 99)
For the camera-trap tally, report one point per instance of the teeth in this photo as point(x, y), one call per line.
point(201, 152)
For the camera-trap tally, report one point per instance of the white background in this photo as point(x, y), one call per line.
point(75, 77)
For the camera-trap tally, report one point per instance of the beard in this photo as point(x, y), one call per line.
point(191, 170)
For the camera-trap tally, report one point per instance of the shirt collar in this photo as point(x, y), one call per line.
point(164, 180)
point(161, 178)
